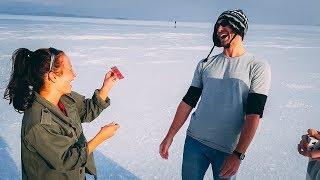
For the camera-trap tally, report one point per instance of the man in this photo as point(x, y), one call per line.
point(233, 87)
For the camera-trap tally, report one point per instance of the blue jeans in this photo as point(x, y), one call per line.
point(196, 159)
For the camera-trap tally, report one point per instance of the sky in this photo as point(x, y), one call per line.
point(259, 12)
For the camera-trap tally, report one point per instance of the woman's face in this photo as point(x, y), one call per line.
point(64, 81)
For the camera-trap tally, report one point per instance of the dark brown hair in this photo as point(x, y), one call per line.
point(27, 75)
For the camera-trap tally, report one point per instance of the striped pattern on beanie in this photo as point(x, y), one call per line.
point(236, 19)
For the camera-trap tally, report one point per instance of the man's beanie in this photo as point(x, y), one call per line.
point(236, 19)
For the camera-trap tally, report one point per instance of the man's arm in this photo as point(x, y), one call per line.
point(254, 111)
point(232, 163)
point(188, 102)
point(259, 88)
point(180, 118)
point(248, 131)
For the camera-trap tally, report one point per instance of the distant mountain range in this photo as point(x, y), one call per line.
point(34, 9)
point(167, 10)
point(45, 14)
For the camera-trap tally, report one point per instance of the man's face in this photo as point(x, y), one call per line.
point(225, 34)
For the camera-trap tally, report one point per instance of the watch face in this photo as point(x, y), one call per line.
point(242, 156)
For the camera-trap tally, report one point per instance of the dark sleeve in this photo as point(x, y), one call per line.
point(88, 108)
point(192, 96)
point(255, 104)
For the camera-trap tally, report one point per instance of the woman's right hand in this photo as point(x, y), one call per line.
point(108, 131)
point(105, 132)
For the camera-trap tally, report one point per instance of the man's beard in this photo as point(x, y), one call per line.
point(226, 44)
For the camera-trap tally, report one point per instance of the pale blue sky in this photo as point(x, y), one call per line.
point(261, 12)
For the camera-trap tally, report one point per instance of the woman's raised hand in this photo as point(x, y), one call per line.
point(109, 80)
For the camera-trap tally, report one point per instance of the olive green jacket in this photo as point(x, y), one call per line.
point(53, 145)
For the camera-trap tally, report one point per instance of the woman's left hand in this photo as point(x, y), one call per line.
point(109, 81)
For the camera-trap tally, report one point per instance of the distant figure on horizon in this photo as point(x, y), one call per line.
point(233, 87)
point(313, 170)
point(53, 145)
point(175, 24)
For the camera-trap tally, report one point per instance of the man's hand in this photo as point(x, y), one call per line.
point(164, 147)
point(230, 166)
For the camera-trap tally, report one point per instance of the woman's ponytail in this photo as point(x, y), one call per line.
point(27, 76)
point(19, 91)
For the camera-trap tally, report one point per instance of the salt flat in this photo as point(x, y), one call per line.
point(158, 62)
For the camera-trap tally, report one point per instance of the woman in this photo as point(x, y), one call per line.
point(52, 142)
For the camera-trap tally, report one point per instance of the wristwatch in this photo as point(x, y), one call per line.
point(239, 154)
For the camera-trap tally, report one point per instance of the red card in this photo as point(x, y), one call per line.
point(116, 71)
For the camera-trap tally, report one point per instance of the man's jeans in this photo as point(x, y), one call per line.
point(196, 159)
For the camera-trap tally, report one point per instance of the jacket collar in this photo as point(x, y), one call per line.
point(67, 102)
